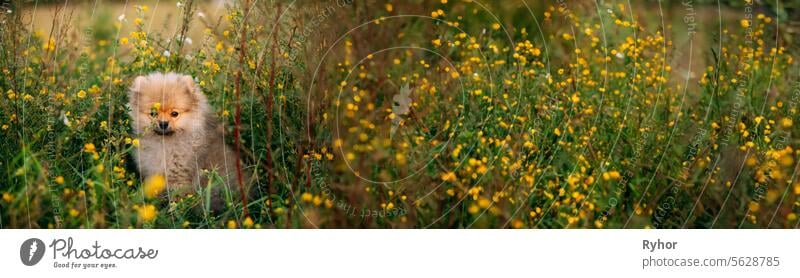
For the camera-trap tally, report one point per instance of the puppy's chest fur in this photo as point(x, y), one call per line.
point(179, 158)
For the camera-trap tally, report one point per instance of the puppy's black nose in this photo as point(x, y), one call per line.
point(163, 125)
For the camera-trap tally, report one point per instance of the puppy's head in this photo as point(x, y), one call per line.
point(166, 104)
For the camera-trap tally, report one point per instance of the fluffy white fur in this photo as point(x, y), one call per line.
point(193, 141)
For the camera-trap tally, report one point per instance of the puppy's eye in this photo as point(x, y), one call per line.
point(174, 114)
point(153, 114)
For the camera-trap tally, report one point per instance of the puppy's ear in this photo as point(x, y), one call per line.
point(192, 90)
point(136, 89)
point(137, 83)
point(188, 81)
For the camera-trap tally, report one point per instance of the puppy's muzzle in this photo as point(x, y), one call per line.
point(162, 128)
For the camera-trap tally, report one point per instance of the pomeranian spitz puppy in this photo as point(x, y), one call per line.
point(180, 138)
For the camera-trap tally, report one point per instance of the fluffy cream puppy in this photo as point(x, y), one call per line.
point(179, 135)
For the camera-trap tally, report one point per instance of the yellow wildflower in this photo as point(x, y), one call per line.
point(449, 177)
point(153, 185)
point(248, 222)
point(147, 213)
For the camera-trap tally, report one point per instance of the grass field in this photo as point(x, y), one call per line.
point(413, 114)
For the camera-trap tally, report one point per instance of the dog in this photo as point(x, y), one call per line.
point(179, 135)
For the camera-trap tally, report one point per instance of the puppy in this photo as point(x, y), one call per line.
point(179, 135)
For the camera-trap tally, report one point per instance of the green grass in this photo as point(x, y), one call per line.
point(571, 120)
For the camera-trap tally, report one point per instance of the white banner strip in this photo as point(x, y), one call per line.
point(398, 253)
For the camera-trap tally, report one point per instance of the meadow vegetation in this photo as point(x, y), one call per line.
point(413, 114)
